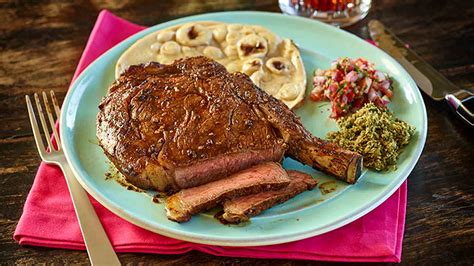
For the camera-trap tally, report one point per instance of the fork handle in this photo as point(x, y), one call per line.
point(97, 243)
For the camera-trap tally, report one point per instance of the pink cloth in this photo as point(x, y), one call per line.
point(49, 220)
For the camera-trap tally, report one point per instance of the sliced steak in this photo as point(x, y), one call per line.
point(241, 209)
point(267, 176)
point(169, 127)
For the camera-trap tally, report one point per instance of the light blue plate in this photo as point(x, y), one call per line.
point(310, 213)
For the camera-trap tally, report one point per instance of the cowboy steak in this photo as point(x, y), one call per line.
point(169, 127)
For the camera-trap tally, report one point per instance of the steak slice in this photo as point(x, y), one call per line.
point(267, 176)
point(241, 209)
point(169, 127)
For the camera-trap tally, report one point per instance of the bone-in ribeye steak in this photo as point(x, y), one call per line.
point(169, 127)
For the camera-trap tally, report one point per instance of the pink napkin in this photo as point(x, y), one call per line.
point(48, 217)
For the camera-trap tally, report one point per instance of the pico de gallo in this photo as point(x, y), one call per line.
point(349, 84)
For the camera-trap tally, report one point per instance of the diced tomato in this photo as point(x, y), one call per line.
point(350, 96)
point(362, 60)
point(337, 75)
point(332, 90)
point(336, 111)
point(316, 96)
point(358, 103)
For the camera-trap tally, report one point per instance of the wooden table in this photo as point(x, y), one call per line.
point(41, 43)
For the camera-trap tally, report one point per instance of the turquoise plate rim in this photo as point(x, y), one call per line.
point(67, 140)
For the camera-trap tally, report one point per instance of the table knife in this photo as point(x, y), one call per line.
point(426, 77)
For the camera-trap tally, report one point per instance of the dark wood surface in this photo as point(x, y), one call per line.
point(40, 45)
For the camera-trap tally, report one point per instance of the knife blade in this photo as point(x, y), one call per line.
point(426, 77)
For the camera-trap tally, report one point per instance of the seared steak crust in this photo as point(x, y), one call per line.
point(168, 127)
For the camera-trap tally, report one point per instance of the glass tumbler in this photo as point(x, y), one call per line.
point(339, 13)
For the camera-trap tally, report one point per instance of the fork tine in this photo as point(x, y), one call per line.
point(55, 104)
point(35, 127)
point(51, 120)
point(43, 122)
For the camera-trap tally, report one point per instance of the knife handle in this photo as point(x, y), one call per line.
point(460, 104)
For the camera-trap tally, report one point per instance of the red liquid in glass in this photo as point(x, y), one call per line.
point(326, 5)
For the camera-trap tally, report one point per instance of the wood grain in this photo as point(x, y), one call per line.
point(40, 45)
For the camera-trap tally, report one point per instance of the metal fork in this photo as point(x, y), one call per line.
point(98, 246)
